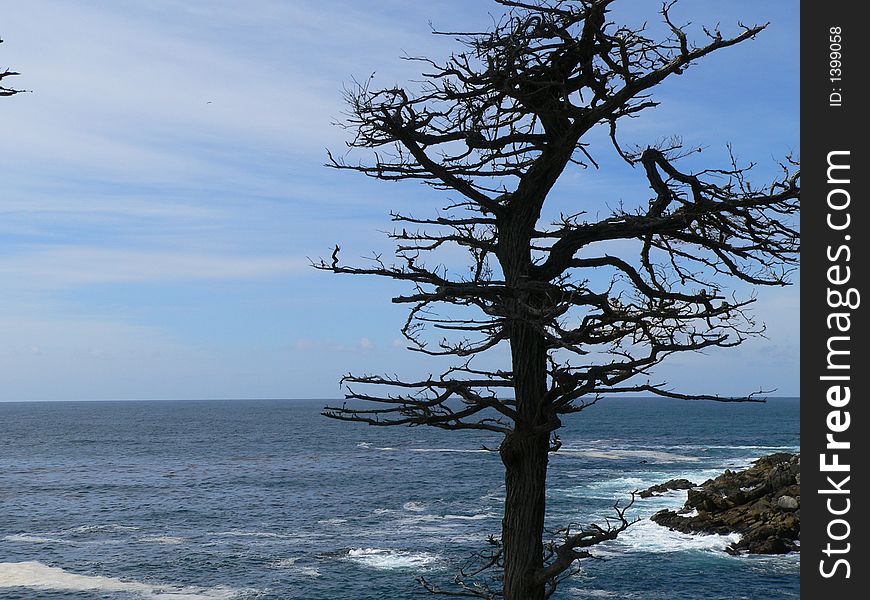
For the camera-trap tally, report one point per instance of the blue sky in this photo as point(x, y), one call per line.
point(163, 186)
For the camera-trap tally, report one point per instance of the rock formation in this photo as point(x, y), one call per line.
point(673, 484)
point(761, 503)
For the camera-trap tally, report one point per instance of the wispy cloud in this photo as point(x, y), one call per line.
point(55, 268)
point(148, 91)
point(165, 176)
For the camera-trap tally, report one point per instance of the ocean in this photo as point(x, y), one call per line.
point(226, 500)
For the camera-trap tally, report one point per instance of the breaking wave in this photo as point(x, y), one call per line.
point(378, 558)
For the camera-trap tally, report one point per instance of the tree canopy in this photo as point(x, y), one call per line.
point(588, 304)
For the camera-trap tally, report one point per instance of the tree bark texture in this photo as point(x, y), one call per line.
point(525, 459)
point(524, 453)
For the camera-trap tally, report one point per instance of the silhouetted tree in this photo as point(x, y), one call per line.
point(6, 91)
point(494, 126)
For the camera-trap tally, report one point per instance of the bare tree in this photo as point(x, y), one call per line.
point(6, 91)
point(494, 126)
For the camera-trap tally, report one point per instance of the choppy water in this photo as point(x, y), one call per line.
point(224, 500)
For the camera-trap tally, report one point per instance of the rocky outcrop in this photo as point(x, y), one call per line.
point(673, 484)
point(761, 503)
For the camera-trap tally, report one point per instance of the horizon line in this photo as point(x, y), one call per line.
point(272, 399)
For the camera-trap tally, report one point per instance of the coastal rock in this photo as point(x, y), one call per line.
point(761, 503)
point(673, 484)
point(788, 502)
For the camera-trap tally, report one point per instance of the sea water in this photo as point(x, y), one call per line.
point(235, 500)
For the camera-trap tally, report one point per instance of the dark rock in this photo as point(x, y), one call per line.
point(761, 503)
point(673, 484)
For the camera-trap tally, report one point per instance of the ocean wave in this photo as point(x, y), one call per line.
point(618, 482)
point(428, 518)
point(647, 536)
point(38, 576)
point(639, 480)
point(378, 558)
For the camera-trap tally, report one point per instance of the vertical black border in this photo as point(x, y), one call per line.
point(828, 126)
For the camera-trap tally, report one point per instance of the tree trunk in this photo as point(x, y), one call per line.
point(524, 453)
point(525, 459)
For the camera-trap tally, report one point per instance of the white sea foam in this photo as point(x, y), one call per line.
point(35, 539)
point(364, 445)
point(378, 558)
point(253, 534)
point(641, 480)
point(290, 564)
point(618, 482)
point(161, 539)
point(576, 592)
point(56, 538)
point(413, 506)
point(38, 576)
point(703, 447)
point(417, 519)
point(478, 539)
point(496, 497)
point(102, 528)
point(779, 564)
point(284, 563)
point(621, 454)
point(605, 489)
point(647, 536)
point(331, 521)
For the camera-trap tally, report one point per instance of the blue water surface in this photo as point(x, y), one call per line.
point(226, 500)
